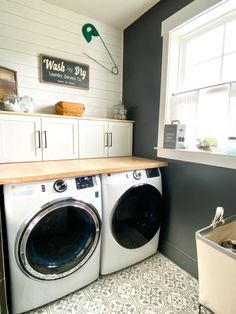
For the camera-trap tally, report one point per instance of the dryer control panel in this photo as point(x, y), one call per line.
point(152, 173)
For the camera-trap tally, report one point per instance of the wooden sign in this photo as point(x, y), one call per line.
point(64, 72)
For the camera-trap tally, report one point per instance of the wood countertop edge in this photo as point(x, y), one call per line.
point(37, 171)
point(51, 115)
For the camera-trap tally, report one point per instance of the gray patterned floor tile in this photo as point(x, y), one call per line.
point(153, 286)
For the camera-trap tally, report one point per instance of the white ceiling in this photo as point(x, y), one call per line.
point(116, 13)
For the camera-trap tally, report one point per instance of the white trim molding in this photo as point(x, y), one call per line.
point(199, 157)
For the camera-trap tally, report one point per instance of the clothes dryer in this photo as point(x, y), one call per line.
point(53, 235)
point(132, 209)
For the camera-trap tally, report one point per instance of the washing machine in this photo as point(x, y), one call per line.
point(53, 236)
point(132, 210)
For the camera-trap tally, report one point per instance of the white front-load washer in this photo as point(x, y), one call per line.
point(132, 210)
point(53, 236)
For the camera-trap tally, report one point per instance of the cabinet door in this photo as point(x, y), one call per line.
point(120, 139)
point(59, 138)
point(20, 138)
point(93, 138)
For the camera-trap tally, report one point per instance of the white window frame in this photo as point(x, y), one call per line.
point(195, 13)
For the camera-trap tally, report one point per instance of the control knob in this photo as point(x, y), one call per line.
point(137, 175)
point(60, 186)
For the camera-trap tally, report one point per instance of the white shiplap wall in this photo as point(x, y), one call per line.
point(29, 28)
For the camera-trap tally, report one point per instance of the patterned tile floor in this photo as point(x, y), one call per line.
point(154, 286)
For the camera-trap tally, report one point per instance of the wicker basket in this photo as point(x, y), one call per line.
point(70, 108)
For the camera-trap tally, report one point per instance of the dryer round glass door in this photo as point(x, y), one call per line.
point(137, 216)
point(59, 239)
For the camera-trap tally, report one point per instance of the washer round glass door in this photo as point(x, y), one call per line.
point(59, 239)
point(137, 216)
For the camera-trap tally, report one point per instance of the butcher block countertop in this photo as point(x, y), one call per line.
point(45, 170)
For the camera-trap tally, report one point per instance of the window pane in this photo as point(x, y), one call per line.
point(232, 112)
point(230, 42)
point(212, 115)
point(207, 73)
point(229, 67)
point(183, 107)
point(204, 47)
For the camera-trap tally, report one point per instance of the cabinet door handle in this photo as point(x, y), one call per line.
point(106, 139)
point(39, 139)
point(110, 139)
point(45, 139)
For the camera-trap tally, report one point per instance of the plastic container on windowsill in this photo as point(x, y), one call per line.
point(231, 146)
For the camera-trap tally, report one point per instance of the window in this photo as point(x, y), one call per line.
point(199, 81)
point(211, 51)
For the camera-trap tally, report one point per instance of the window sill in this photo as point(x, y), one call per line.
point(200, 157)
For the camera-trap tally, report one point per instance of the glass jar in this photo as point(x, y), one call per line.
point(11, 102)
point(231, 146)
point(27, 104)
point(120, 112)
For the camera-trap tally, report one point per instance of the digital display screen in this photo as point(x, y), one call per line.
point(152, 173)
point(84, 182)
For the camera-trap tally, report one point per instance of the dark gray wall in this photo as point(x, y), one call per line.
point(191, 191)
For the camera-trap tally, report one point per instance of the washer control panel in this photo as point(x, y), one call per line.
point(137, 174)
point(84, 182)
point(60, 186)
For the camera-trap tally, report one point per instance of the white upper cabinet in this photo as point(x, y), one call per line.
point(32, 138)
point(93, 138)
point(20, 138)
point(101, 138)
point(59, 138)
point(120, 139)
point(25, 137)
